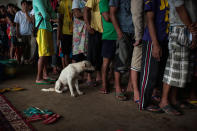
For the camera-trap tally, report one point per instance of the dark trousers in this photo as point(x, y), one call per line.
point(152, 72)
point(94, 50)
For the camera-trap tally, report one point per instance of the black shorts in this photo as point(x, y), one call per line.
point(109, 48)
point(66, 44)
point(94, 49)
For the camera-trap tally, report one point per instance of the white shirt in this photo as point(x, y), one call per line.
point(25, 26)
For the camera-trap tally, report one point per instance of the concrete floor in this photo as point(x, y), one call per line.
point(92, 111)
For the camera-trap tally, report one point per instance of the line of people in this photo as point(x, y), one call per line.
point(155, 40)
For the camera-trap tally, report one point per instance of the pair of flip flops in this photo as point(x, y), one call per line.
point(35, 111)
point(34, 114)
point(47, 119)
point(46, 81)
point(15, 88)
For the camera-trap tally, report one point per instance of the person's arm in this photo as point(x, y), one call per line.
point(137, 11)
point(185, 18)
point(87, 19)
point(28, 16)
point(106, 16)
point(114, 20)
point(156, 51)
point(16, 20)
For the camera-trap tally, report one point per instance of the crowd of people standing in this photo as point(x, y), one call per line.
point(154, 40)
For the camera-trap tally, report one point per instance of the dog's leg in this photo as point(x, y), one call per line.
point(70, 85)
point(77, 87)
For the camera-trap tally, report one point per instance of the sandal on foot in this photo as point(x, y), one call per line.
point(170, 110)
point(49, 79)
point(153, 109)
point(103, 91)
point(42, 82)
point(120, 96)
point(137, 102)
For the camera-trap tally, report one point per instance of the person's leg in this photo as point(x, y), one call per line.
point(134, 80)
point(66, 46)
point(54, 57)
point(117, 82)
point(97, 57)
point(165, 95)
point(45, 72)
point(45, 49)
point(149, 76)
point(41, 62)
point(63, 62)
point(173, 96)
point(90, 57)
point(105, 68)
point(136, 63)
point(129, 86)
point(119, 94)
point(66, 60)
point(11, 50)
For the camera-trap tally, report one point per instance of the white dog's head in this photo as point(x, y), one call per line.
point(87, 66)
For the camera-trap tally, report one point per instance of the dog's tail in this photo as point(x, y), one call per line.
point(48, 90)
point(56, 89)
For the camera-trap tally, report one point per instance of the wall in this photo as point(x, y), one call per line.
point(5, 2)
point(18, 2)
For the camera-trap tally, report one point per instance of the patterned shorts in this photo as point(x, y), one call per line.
point(177, 72)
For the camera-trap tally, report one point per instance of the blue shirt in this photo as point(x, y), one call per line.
point(124, 15)
point(161, 11)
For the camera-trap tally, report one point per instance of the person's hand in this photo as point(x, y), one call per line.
point(90, 30)
point(137, 42)
point(157, 51)
point(120, 35)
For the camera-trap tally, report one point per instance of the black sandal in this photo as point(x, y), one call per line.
point(154, 109)
point(170, 110)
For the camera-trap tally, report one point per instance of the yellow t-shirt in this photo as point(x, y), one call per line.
point(96, 23)
point(65, 8)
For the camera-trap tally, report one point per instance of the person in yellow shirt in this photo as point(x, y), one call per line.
point(65, 29)
point(95, 29)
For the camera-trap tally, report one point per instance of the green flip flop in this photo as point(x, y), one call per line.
point(43, 83)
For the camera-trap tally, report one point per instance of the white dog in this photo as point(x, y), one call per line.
point(69, 77)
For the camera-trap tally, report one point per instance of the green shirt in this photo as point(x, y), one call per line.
point(44, 8)
point(109, 32)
